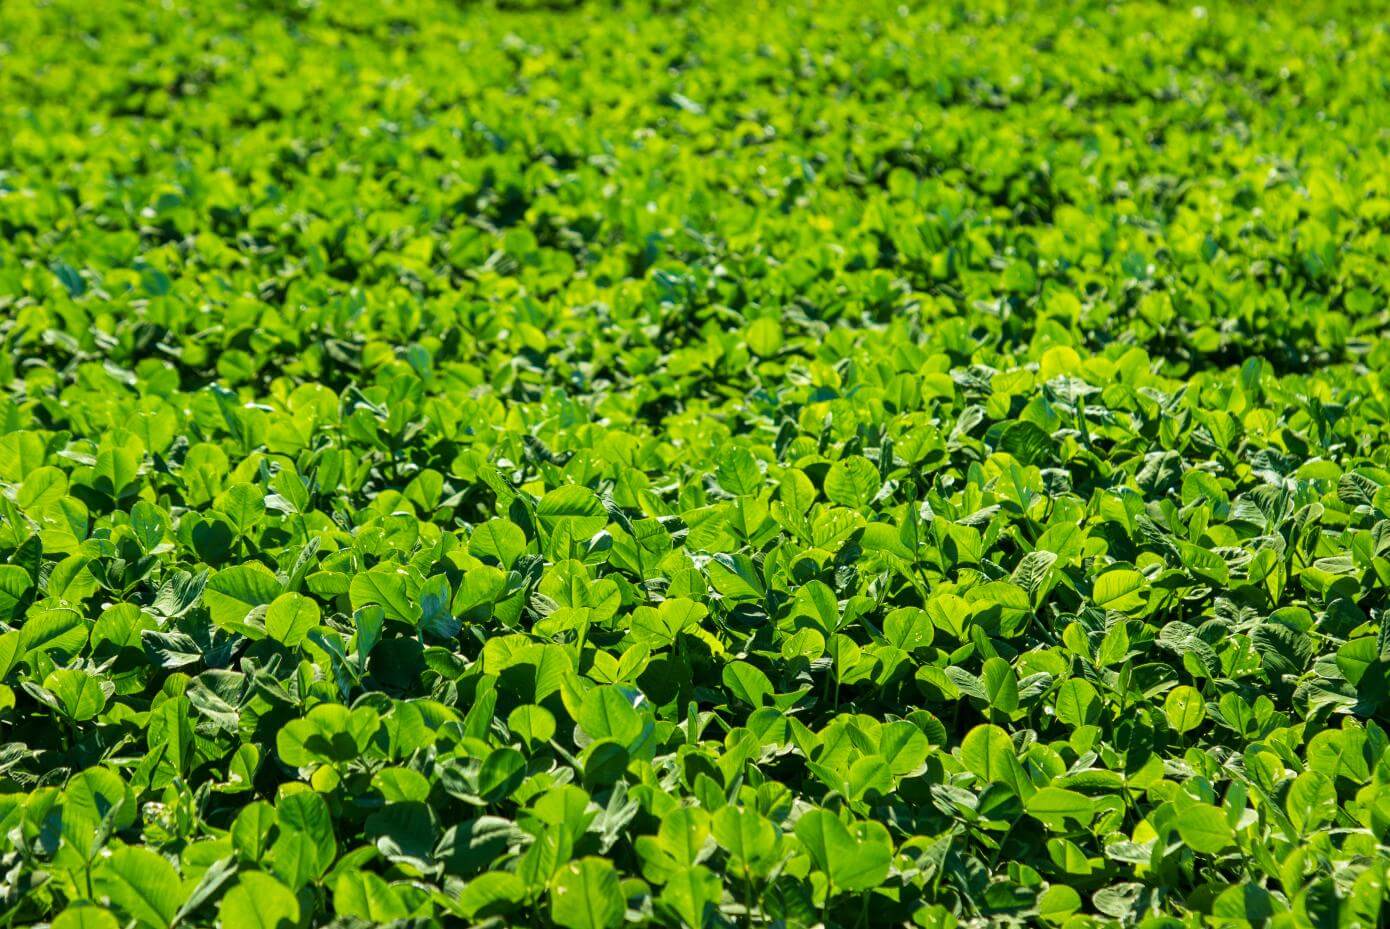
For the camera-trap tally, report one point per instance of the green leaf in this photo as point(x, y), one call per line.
point(1077, 703)
point(327, 734)
point(79, 694)
point(1001, 685)
point(231, 594)
point(852, 482)
point(366, 896)
point(736, 577)
point(499, 540)
point(1121, 590)
point(1248, 903)
point(692, 893)
point(83, 915)
point(750, 839)
point(1052, 804)
point(1311, 802)
point(171, 735)
point(307, 814)
point(1205, 564)
point(115, 472)
point(1114, 646)
point(501, 773)
point(243, 505)
point(290, 618)
point(585, 894)
point(387, 586)
point(142, 885)
point(1058, 902)
point(1026, 442)
point(1184, 708)
point(574, 509)
point(14, 584)
point(42, 487)
point(764, 337)
point(988, 753)
point(607, 713)
point(58, 631)
point(258, 901)
point(491, 893)
point(1357, 657)
point(851, 862)
point(1204, 828)
point(21, 453)
point(534, 724)
point(738, 472)
point(746, 683)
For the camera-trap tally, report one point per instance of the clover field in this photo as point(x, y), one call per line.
point(694, 464)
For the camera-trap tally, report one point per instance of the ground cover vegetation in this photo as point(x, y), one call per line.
point(709, 464)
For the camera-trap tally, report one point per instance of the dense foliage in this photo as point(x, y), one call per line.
point(701, 465)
